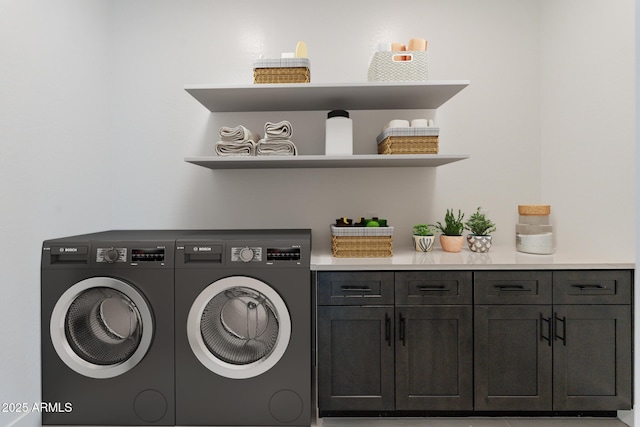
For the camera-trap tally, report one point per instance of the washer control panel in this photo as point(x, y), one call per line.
point(246, 254)
point(111, 255)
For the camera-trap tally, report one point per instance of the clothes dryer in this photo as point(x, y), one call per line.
point(243, 328)
point(108, 328)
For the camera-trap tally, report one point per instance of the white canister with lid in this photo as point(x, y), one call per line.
point(534, 233)
point(339, 134)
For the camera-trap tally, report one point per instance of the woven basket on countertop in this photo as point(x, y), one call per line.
point(281, 70)
point(362, 242)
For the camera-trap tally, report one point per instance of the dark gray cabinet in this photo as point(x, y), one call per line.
point(553, 340)
point(530, 340)
point(355, 330)
point(434, 345)
point(355, 358)
point(592, 340)
point(398, 341)
point(512, 340)
point(434, 358)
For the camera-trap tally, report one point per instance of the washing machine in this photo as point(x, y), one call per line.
point(108, 329)
point(243, 328)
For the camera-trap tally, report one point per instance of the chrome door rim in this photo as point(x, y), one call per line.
point(213, 363)
point(66, 352)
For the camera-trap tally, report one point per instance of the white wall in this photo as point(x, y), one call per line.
point(494, 43)
point(588, 121)
point(54, 161)
point(97, 93)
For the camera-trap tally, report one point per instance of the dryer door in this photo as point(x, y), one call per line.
point(101, 327)
point(239, 327)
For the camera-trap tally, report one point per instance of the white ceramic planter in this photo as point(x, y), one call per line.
point(423, 243)
point(480, 244)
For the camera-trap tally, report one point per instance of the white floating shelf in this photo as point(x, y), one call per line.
point(322, 161)
point(317, 96)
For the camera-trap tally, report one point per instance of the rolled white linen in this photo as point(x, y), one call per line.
point(279, 147)
point(281, 130)
point(225, 148)
point(397, 123)
point(419, 123)
point(238, 134)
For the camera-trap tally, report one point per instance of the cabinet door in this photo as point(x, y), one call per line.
point(592, 357)
point(434, 358)
point(513, 358)
point(355, 358)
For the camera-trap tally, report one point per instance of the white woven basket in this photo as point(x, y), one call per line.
point(388, 66)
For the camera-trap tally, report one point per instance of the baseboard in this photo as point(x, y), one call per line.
point(27, 419)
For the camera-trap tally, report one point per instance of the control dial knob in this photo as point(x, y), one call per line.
point(246, 254)
point(111, 255)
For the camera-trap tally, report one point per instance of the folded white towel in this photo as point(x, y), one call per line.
point(225, 148)
point(277, 147)
point(238, 134)
point(280, 130)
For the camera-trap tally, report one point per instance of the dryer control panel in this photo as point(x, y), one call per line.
point(251, 249)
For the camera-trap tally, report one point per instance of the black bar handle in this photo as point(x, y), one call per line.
point(548, 337)
point(387, 328)
point(562, 338)
point(356, 289)
point(403, 326)
point(589, 286)
point(510, 287)
point(433, 288)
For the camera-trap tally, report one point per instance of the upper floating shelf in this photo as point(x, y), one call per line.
point(317, 96)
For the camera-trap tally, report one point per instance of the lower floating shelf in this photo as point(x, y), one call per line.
point(322, 161)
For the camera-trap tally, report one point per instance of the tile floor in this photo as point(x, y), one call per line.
point(463, 422)
point(470, 422)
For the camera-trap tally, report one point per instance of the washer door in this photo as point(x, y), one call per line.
point(238, 327)
point(101, 327)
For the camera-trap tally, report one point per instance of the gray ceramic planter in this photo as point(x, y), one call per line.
point(480, 244)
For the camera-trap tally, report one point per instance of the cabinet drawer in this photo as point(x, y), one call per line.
point(512, 287)
point(355, 288)
point(433, 287)
point(592, 287)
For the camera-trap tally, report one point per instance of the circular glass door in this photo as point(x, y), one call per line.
point(238, 327)
point(101, 327)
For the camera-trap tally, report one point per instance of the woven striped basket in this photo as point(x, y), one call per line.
point(282, 70)
point(411, 140)
point(409, 145)
point(282, 75)
point(362, 242)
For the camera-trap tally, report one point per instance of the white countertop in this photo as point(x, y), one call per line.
point(498, 258)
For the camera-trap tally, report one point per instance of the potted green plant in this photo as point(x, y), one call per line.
point(481, 227)
point(423, 237)
point(451, 238)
